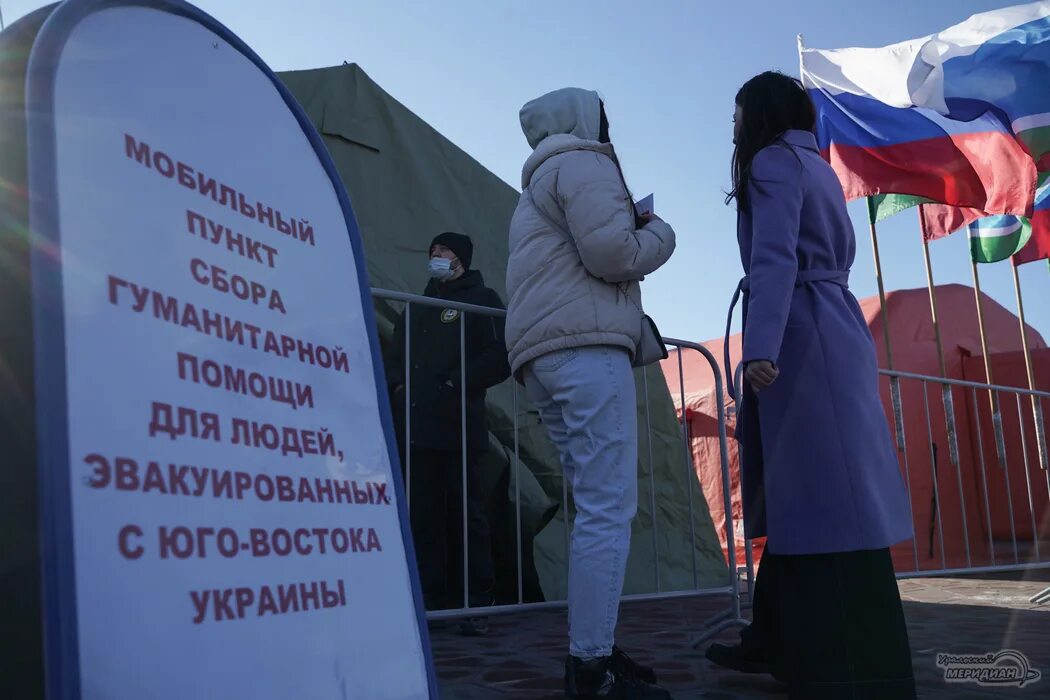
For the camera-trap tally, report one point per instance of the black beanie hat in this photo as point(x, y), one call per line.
point(459, 244)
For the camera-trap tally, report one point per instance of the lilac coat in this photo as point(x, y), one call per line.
point(819, 469)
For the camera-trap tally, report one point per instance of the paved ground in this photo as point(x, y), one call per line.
point(523, 655)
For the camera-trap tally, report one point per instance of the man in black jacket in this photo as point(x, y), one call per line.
point(435, 388)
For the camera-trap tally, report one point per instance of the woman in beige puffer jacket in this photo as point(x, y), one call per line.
point(578, 251)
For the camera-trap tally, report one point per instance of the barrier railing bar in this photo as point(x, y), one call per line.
point(963, 382)
point(463, 446)
point(390, 295)
point(690, 470)
point(984, 475)
point(962, 498)
point(997, 428)
point(959, 571)
point(898, 414)
point(933, 471)
point(557, 604)
point(652, 482)
point(1028, 478)
point(519, 536)
point(1040, 437)
point(749, 555)
point(902, 440)
point(749, 559)
point(734, 615)
point(408, 407)
point(1010, 500)
point(1046, 474)
point(949, 424)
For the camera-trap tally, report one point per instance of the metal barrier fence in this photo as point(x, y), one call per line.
point(731, 589)
point(983, 508)
point(986, 506)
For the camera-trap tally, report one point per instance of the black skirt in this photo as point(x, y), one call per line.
point(833, 626)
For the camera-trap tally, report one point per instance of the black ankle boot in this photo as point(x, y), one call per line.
point(608, 678)
point(627, 666)
point(745, 660)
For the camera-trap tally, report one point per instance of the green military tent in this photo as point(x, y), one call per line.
point(407, 183)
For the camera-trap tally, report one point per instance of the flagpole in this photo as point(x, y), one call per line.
point(1037, 409)
point(895, 388)
point(933, 295)
point(980, 323)
point(993, 397)
point(946, 391)
point(878, 279)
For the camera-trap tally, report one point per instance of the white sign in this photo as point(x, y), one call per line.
point(235, 528)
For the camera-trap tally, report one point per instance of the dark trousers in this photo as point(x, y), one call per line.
point(833, 625)
point(437, 527)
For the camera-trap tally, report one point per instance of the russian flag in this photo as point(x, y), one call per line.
point(949, 117)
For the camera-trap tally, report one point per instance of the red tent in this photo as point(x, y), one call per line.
point(997, 515)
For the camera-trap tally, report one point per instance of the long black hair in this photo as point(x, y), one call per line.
point(771, 103)
point(603, 137)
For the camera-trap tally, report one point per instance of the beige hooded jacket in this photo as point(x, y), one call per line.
point(565, 293)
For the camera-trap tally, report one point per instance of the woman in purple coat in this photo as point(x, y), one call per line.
point(820, 475)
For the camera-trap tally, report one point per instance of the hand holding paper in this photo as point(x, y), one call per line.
point(644, 206)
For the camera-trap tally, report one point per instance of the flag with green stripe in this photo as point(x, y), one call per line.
point(938, 220)
point(883, 206)
point(996, 238)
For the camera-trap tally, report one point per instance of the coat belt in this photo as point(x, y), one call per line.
point(838, 277)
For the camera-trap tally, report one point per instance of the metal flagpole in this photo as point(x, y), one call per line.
point(933, 295)
point(895, 386)
point(878, 278)
point(1037, 408)
point(980, 323)
point(946, 392)
point(993, 397)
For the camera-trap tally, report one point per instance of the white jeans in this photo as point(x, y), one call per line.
point(586, 398)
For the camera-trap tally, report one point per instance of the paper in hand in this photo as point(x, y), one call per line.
point(644, 205)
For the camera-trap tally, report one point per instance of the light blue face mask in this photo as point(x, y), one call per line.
point(440, 269)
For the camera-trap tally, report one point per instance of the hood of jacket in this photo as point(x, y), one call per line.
point(564, 120)
point(567, 111)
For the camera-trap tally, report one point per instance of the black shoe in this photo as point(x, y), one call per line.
point(627, 666)
point(736, 658)
point(474, 627)
point(606, 679)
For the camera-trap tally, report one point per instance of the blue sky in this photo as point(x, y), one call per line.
point(668, 72)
